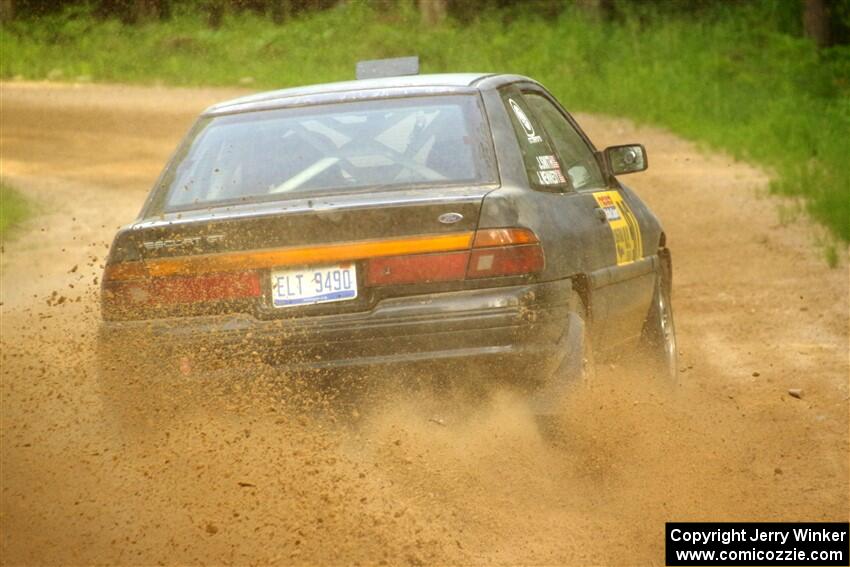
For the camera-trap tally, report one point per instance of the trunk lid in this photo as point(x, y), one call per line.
point(212, 241)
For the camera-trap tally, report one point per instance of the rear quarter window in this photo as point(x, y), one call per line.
point(575, 156)
point(538, 154)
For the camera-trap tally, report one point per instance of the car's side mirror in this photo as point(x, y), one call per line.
point(630, 158)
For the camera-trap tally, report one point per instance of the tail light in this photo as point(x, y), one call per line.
point(128, 284)
point(495, 253)
point(417, 268)
point(508, 261)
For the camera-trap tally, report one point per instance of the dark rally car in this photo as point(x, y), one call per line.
point(388, 222)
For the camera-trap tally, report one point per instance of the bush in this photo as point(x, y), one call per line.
point(13, 209)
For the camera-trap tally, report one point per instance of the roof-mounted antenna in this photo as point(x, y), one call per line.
point(377, 68)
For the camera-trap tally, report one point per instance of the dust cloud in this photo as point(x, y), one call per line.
point(259, 467)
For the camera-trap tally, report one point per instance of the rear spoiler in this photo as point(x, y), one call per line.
point(378, 68)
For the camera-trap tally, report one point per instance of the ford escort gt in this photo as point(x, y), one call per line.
point(390, 222)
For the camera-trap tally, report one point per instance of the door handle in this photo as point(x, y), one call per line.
point(600, 214)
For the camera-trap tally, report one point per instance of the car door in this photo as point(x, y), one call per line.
point(623, 280)
point(566, 220)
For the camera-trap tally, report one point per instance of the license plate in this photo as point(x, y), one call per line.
point(317, 284)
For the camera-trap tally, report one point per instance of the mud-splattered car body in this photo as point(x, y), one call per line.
point(523, 250)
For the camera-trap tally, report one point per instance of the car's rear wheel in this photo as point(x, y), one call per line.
point(577, 370)
point(659, 331)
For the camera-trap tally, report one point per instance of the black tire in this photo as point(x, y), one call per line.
point(577, 370)
point(659, 331)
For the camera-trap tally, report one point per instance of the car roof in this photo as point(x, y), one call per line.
point(409, 85)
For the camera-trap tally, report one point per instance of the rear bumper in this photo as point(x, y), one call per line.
point(523, 323)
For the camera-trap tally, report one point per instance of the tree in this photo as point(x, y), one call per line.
point(598, 9)
point(215, 12)
point(144, 10)
point(7, 10)
point(433, 12)
point(816, 22)
point(281, 11)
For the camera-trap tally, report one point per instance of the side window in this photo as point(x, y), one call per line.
point(575, 155)
point(538, 154)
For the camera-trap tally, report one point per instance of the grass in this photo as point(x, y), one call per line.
point(830, 254)
point(730, 78)
point(13, 209)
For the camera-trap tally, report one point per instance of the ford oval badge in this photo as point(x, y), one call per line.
point(450, 218)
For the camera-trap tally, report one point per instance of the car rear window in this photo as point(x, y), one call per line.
point(342, 147)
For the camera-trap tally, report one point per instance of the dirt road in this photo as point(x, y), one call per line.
point(416, 479)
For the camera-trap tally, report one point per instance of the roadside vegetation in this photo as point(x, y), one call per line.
point(13, 209)
point(740, 77)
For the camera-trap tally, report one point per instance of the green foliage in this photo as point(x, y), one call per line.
point(735, 78)
point(830, 254)
point(13, 209)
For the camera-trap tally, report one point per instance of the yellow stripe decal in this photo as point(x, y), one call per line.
point(304, 255)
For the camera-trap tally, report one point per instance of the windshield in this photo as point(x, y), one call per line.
point(422, 141)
